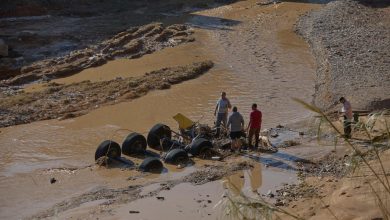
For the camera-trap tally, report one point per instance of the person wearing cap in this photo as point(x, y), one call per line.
point(236, 126)
point(348, 116)
point(221, 111)
point(254, 126)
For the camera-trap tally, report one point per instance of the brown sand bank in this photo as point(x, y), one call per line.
point(67, 101)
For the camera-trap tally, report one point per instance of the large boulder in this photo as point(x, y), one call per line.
point(3, 48)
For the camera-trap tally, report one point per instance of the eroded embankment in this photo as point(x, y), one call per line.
point(131, 43)
point(351, 43)
point(76, 99)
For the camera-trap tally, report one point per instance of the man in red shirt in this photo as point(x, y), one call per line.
point(254, 125)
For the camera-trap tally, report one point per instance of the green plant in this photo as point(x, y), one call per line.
point(359, 157)
point(242, 206)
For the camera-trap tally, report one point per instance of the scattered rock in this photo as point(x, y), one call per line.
point(279, 203)
point(279, 126)
point(270, 194)
point(274, 135)
point(215, 172)
point(294, 192)
point(342, 63)
point(53, 180)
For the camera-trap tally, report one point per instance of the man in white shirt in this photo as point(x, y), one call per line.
point(347, 113)
point(221, 111)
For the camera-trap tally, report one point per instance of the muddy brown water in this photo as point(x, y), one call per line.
point(258, 59)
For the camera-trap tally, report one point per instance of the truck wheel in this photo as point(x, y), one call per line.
point(168, 144)
point(155, 134)
point(108, 148)
point(134, 143)
point(176, 156)
point(200, 146)
point(151, 164)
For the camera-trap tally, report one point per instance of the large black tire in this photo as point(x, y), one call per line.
point(108, 148)
point(134, 143)
point(151, 164)
point(169, 144)
point(155, 134)
point(200, 146)
point(176, 156)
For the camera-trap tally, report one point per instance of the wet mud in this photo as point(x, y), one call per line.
point(68, 101)
point(40, 30)
point(131, 43)
point(131, 193)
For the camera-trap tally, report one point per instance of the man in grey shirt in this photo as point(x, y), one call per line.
point(221, 111)
point(236, 125)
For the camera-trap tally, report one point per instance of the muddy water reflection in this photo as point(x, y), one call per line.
point(187, 201)
point(247, 180)
point(257, 180)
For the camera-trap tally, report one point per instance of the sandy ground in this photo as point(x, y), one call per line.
point(348, 198)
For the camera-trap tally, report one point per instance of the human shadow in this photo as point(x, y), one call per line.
point(289, 157)
point(375, 3)
point(119, 162)
point(272, 162)
point(380, 104)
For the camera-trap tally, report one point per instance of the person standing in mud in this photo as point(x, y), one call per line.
point(236, 126)
point(254, 126)
point(347, 114)
point(221, 111)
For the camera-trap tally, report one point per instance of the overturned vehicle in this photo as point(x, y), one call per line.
point(192, 140)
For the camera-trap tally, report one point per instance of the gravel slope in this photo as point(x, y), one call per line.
point(351, 43)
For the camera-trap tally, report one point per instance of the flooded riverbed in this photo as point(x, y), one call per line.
point(258, 59)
